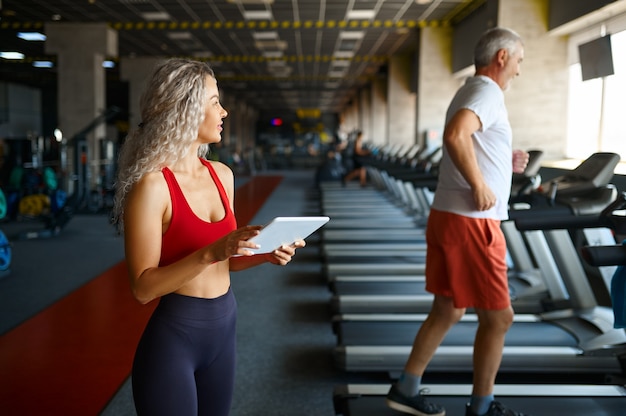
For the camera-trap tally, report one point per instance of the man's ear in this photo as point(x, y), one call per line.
point(501, 57)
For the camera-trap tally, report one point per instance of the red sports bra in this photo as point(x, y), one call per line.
point(187, 233)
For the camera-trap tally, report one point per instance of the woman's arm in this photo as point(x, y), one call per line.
point(143, 230)
point(281, 256)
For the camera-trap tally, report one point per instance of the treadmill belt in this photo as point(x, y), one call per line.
point(402, 333)
point(535, 406)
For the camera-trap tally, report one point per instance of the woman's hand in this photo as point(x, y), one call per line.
point(235, 243)
point(283, 254)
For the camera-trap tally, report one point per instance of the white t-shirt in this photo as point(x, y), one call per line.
point(492, 146)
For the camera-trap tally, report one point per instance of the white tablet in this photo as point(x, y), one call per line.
point(286, 230)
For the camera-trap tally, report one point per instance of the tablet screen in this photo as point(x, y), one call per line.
point(286, 230)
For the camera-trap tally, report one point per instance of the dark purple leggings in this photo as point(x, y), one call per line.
point(185, 360)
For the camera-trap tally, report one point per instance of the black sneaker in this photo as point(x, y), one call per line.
point(417, 405)
point(495, 409)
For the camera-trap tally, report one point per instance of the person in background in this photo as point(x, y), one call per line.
point(466, 257)
point(175, 209)
point(358, 153)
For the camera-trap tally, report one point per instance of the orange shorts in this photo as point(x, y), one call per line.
point(466, 260)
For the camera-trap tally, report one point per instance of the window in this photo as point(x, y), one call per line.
point(596, 108)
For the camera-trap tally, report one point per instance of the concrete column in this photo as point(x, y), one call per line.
point(226, 125)
point(81, 48)
point(537, 99)
point(401, 101)
point(229, 137)
point(350, 118)
point(242, 124)
point(365, 104)
point(379, 111)
point(136, 72)
point(251, 117)
point(436, 85)
point(237, 124)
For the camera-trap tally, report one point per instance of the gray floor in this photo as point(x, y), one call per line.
point(44, 270)
point(284, 333)
point(285, 338)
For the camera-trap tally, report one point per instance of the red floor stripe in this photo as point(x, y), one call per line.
point(71, 358)
point(252, 195)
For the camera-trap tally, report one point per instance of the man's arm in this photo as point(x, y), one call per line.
point(457, 137)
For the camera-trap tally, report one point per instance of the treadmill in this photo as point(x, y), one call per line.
point(407, 260)
point(352, 207)
point(536, 399)
point(535, 282)
point(407, 187)
point(581, 338)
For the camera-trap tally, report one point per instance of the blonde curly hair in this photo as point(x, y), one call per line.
point(172, 109)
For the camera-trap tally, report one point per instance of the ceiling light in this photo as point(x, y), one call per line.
point(351, 34)
point(273, 54)
point(156, 16)
point(257, 14)
point(271, 44)
point(341, 62)
point(275, 63)
point(11, 55)
point(423, 1)
point(269, 35)
point(31, 36)
point(360, 14)
point(281, 72)
point(343, 54)
point(43, 64)
point(336, 74)
point(179, 35)
point(250, 1)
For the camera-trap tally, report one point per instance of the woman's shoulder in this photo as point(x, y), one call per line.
point(151, 189)
point(151, 181)
point(219, 167)
point(223, 171)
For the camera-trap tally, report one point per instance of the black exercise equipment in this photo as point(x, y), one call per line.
point(535, 399)
point(535, 280)
point(597, 347)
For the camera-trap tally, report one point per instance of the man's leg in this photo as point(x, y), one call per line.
point(443, 315)
point(488, 346)
point(405, 395)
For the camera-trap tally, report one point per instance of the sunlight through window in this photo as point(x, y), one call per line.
point(594, 126)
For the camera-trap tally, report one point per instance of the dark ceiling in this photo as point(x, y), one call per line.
point(283, 55)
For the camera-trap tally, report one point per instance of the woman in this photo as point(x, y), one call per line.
point(176, 211)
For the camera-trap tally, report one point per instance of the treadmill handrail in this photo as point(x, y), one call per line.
point(607, 218)
point(598, 256)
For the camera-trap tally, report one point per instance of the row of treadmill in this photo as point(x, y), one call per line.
point(562, 355)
